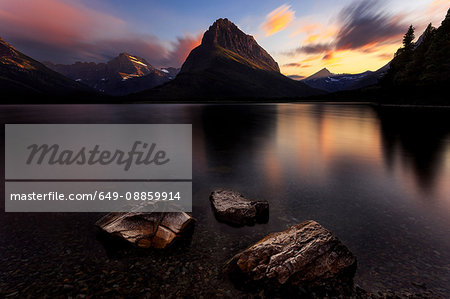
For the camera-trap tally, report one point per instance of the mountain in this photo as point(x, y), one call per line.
point(121, 75)
point(171, 72)
point(323, 73)
point(420, 73)
point(426, 63)
point(229, 64)
point(330, 82)
point(22, 75)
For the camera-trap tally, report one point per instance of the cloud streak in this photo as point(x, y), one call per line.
point(65, 32)
point(365, 23)
point(278, 19)
point(361, 26)
point(181, 49)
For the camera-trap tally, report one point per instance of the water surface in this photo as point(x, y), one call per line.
point(379, 178)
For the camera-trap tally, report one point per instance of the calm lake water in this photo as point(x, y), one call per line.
point(379, 178)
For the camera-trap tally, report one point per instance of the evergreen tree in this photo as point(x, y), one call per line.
point(408, 38)
point(428, 33)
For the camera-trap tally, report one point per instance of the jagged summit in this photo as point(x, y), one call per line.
point(226, 35)
point(229, 64)
point(323, 73)
point(131, 65)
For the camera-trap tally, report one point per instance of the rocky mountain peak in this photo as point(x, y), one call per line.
point(127, 64)
point(320, 74)
point(223, 33)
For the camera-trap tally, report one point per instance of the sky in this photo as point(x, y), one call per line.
point(345, 36)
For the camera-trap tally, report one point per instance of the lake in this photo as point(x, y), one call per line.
point(378, 178)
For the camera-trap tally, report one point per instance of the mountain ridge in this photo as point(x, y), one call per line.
point(228, 64)
point(121, 75)
point(22, 75)
point(326, 80)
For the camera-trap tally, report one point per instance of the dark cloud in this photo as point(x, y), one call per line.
point(296, 64)
point(311, 49)
point(327, 56)
point(296, 77)
point(293, 64)
point(365, 23)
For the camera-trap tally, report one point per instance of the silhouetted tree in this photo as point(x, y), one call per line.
point(408, 38)
point(428, 33)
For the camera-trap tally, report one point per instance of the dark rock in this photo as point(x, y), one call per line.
point(157, 230)
point(235, 209)
point(305, 255)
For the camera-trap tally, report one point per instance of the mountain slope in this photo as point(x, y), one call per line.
point(330, 82)
point(22, 75)
point(323, 73)
point(228, 64)
point(427, 63)
point(121, 75)
point(421, 74)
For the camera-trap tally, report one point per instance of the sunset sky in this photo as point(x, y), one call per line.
point(302, 36)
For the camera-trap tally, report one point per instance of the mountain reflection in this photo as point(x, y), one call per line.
point(418, 134)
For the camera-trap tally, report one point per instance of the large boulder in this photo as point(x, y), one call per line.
point(305, 255)
point(157, 230)
point(233, 208)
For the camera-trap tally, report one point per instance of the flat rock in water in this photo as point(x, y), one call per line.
point(157, 230)
point(235, 209)
point(306, 255)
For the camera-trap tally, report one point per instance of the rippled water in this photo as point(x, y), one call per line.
point(379, 178)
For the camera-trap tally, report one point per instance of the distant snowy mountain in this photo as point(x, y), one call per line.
point(121, 75)
point(171, 71)
point(330, 82)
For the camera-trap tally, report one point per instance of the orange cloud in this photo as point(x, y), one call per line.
point(181, 49)
point(330, 58)
point(278, 19)
point(308, 28)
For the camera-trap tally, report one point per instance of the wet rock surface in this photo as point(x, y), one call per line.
point(233, 208)
point(157, 230)
point(305, 255)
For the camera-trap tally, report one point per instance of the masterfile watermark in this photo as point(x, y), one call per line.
point(103, 151)
point(140, 153)
point(98, 168)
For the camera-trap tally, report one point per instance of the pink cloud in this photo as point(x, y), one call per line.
point(55, 21)
point(64, 32)
point(181, 49)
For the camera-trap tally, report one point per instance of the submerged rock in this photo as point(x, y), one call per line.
point(235, 209)
point(157, 230)
point(305, 255)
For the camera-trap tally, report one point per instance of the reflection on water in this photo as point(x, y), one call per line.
point(419, 134)
point(377, 177)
